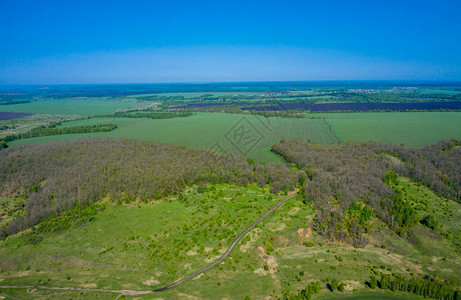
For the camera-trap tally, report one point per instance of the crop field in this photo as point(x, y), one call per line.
point(129, 246)
point(68, 106)
point(245, 135)
point(408, 128)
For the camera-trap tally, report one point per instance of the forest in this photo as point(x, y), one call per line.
point(348, 184)
point(56, 176)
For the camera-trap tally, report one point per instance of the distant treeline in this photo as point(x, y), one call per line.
point(238, 109)
point(52, 130)
point(56, 176)
point(352, 107)
point(298, 109)
point(346, 183)
point(152, 115)
point(6, 99)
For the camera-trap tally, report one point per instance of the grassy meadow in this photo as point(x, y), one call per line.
point(408, 128)
point(143, 246)
point(216, 131)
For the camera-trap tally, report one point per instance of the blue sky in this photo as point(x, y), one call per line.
point(45, 42)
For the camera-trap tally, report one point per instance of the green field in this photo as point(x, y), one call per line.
point(408, 128)
point(210, 131)
point(68, 106)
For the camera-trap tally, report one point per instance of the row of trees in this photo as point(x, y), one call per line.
point(52, 130)
point(422, 286)
point(57, 176)
point(307, 293)
point(151, 115)
point(237, 109)
point(340, 179)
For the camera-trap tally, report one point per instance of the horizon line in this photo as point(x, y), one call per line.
point(232, 82)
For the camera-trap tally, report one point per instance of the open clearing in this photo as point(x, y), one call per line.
point(408, 128)
point(217, 131)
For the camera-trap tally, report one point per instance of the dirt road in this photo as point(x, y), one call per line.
point(133, 292)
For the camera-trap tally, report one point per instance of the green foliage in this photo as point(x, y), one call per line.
point(373, 283)
point(71, 217)
point(333, 285)
point(309, 244)
point(402, 213)
point(307, 293)
point(342, 286)
point(429, 221)
point(422, 286)
point(391, 178)
point(362, 213)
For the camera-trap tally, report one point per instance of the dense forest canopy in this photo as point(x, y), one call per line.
point(56, 176)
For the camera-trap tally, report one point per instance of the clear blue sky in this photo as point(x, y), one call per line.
point(204, 41)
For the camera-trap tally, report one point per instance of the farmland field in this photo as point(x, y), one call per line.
point(68, 106)
point(208, 130)
point(408, 128)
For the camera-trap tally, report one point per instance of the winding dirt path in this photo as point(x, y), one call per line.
point(173, 285)
point(226, 254)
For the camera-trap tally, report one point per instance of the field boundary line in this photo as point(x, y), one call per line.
point(332, 132)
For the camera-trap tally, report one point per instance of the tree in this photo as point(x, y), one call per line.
point(429, 221)
point(373, 282)
point(341, 287)
point(334, 285)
